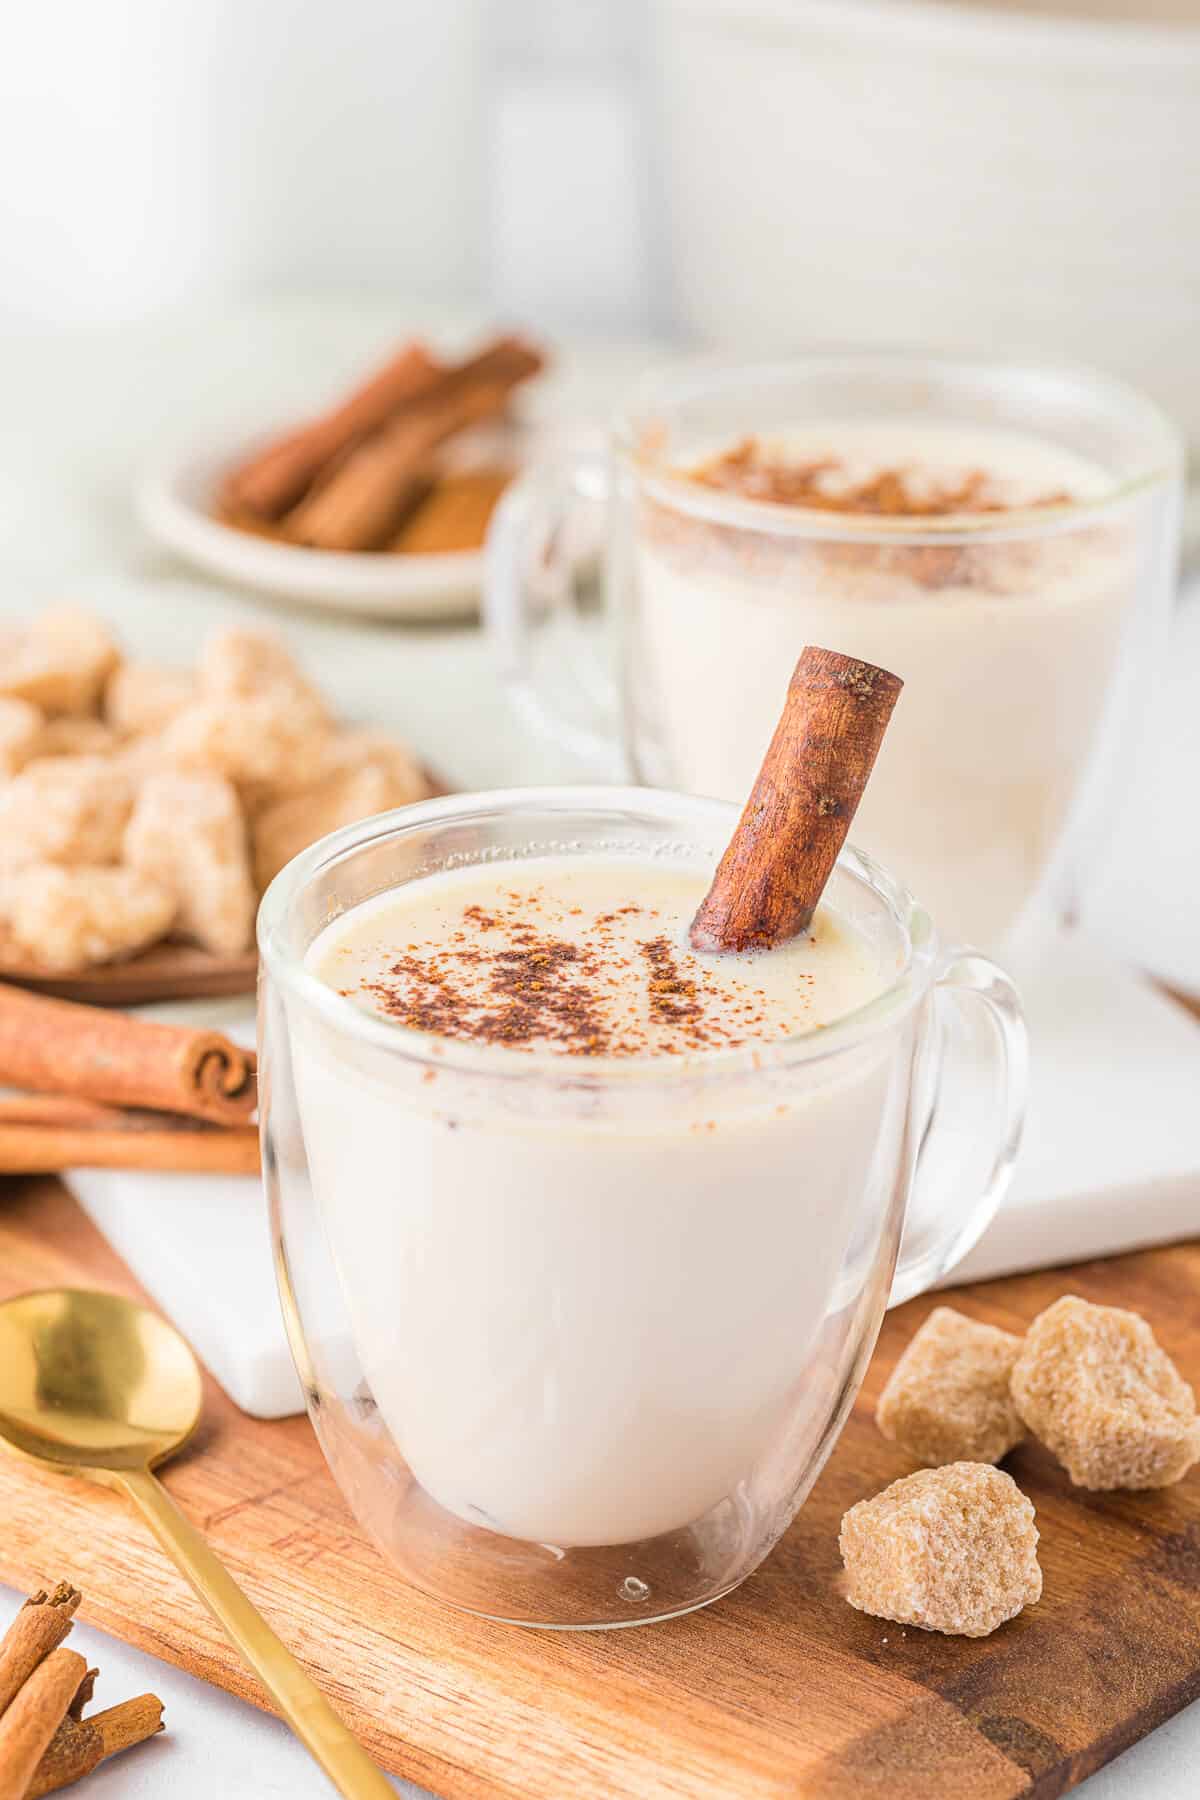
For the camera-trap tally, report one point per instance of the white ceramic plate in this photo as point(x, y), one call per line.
point(174, 504)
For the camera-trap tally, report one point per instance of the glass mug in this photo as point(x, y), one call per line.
point(1025, 637)
point(577, 1335)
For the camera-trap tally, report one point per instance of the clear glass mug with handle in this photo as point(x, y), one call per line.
point(577, 1335)
point(1025, 631)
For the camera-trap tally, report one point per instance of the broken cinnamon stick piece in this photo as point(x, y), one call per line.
point(41, 1625)
point(33, 1716)
point(94, 1053)
point(81, 1745)
point(781, 855)
point(271, 482)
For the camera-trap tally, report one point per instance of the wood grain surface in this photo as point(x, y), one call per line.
point(780, 1689)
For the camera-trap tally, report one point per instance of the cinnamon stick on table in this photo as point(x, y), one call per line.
point(41, 1625)
point(80, 1745)
point(47, 1707)
point(41, 1135)
point(275, 478)
point(32, 1717)
point(93, 1053)
point(781, 855)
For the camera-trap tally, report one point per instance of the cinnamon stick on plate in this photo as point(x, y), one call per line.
point(363, 500)
point(92, 1053)
point(771, 877)
point(275, 478)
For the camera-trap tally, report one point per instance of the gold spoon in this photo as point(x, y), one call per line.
point(99, 1386)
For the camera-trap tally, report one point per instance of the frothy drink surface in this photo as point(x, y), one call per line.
point(582, 959)
point(586, 1304)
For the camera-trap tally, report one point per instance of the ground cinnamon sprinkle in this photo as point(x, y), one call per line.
point(753, 471)
point(672, 996)
point(874, 565)
point(500, 979)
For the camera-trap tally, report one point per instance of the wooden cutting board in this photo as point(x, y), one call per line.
point(780, 1689)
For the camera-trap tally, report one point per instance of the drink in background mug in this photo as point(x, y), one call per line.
point(577, 1333)
point(1002, 537)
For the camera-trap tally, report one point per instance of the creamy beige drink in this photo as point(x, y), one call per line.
point(587, 1325)
point(1007, 646)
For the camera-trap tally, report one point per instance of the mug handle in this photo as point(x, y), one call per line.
point(973, 1074)
point(535, 613)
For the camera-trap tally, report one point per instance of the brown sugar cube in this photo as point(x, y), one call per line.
point(65, 920)
point(238, 664)
point(948, 1397)
point(60, 662)
point(76, 736)
point(138, 757)
point(281, 831)
point(21, 726)
point(187, 833)
point(951, 1549)
point(264, 746)
point(64, 809)
point(1094, 1385)
point(352, 749)
point(141, 698)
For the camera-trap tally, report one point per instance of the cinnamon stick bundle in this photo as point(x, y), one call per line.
point(274, 479)
point(93, 1053)
point(771, 877)
point(45, 1742)
point(365, 497)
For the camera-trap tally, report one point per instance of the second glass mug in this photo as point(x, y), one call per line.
point(1026, 638)
point(577, 1336)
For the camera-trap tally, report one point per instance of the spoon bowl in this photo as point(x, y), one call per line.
point(93, 1382)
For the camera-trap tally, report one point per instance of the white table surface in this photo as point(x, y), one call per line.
point(80, 415)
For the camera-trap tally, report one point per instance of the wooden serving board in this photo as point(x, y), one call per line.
point(164, 972)
point(780, 1689)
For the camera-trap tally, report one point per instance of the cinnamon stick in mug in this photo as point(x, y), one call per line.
point(93, 1053)
point(771, 877)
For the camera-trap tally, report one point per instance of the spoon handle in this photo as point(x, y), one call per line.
point(296, 1696)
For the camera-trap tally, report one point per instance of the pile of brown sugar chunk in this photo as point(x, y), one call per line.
point(140, 803)
point(953, 1548)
